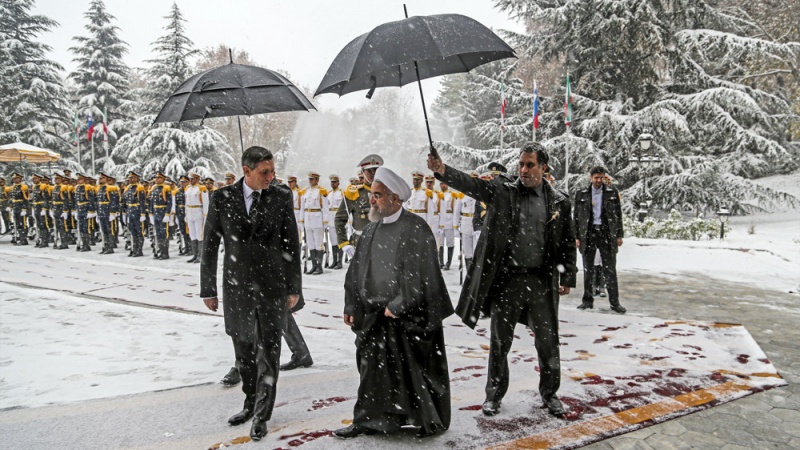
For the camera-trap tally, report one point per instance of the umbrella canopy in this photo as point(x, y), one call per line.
point(18, 152)
point(438, 45)
point(232, 90)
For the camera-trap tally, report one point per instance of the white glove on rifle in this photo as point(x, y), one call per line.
point(43, 213)
point(91, 215)
point(23, 213)
point(142, 218)
point(165, 219)
point(349, 250)
point(74, 214)
point(63, 215)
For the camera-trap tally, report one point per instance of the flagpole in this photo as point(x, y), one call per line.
point(93, 169)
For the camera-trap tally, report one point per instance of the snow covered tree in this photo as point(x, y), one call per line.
point(33, 100)
point(101, 80)
point(174, 149)
point(678, 69)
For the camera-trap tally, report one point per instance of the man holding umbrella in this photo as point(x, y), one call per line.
point(519, 269)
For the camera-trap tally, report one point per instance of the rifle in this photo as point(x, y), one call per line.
point(305, 254)
point(325, 248)
point(460, 260)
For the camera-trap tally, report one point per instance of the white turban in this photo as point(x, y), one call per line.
point(393, 182)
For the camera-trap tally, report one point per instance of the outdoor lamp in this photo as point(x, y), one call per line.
point(723, 214)
point(645, 140)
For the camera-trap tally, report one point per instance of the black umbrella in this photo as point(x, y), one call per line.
point(405, 51)
point(233, 90)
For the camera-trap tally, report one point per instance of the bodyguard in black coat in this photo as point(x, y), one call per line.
point(525, 259)
point(598, 220)
point(261, 277)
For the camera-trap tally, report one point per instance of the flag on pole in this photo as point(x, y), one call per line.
point(75, 127)
point(535, 106)
point(105, 125)
point(502, 107)
point(89, 128)
point(568, 105)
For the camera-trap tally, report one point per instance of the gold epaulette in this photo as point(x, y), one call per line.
point(351, 193)
point(441, 195)
point(301, 191)
point(429, 193)
point(140, 188)
point(23, 187)
point(203, 189)
point(323, 191)
point(458, 195)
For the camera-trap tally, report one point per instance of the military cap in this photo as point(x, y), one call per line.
point(183, 178)
point(15, 175)
point(496, 168)
point(229, 175)
point(46, 178)
point(291, 178)
point(160, 174)
point(371, 162)
point(207, 179)
point(111, 178)
point(430, 178)
point(36, 175)
point(353, 180)
point(102, 175)
point(1, 178)
point(280, 180)
point(417, 174)
point(194, 175)
point(134, 174)
point(313, 174)
point(334, 177)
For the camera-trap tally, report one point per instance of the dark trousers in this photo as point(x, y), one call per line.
point(294, 338)
point(259, 364)
point(599, 239)
point(528, 297)
point(20, 226)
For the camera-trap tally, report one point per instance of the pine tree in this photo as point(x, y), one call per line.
point(174, 149)
point(33, 100)
point(101, 80)
point(677, 69)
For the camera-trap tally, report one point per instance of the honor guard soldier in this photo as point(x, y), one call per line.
point(197, 201)
point(229, 179)
point(436, 199)
point(134, 200)
point(114, 195)
point(462, 216)
point(314, 215)
point(5, 209)
point(19, 196)
point(335, 196)
point(161, 200)
point(60, 213)
point(421, 202)
point(296, 204)
point(39, 210)
point(355, 204)
point(69, 205)
point(104, 213)
point(47, 191)
point(210, 187)
point(81, 199)
point(179, 211)
point(447, 201)
point(92, 216)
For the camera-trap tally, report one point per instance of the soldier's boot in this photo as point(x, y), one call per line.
point(450, 251)
point(339, 257)
point(198, 251)
point(319, 262)
point(164, 253)
point(312, 255)
point(441, 257)
point(85, 247)
point(335, 255)
point(194, 252)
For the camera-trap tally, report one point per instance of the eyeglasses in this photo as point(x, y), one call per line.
point(376, 195)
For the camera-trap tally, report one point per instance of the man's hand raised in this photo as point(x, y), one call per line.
point(435, 164)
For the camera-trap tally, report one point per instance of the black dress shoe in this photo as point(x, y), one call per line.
point(618, 309)
point(297, 363)
point(554, 406)
point(490, 408)
point(422, 433)
point(586, 305)
point(241, 417)
point(352, 431)
point(258, 430)
point(232, 378)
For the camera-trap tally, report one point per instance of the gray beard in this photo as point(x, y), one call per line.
point(375, 215)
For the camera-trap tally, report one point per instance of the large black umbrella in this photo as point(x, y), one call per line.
point(401, 52)
point(233, 90)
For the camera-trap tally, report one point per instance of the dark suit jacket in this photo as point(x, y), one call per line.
point(262, 257)
point(501, 222)
point(611, 214)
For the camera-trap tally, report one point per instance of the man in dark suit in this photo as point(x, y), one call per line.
point(598, 223)
point(525, 260)
point(262, 277)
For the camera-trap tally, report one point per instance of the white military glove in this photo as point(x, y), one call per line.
point(43, 213)
point(63, 215)
point(142, 218)
point(23, 213)
point(52, 214)
point(349, 250)
point(91, 215)
point(112, 216)
point(165, 219)
point(152, 220)
point(74, 214)
point(8, 208)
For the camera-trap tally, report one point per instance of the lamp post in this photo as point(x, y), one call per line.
point(643, 160)
point(723, 214)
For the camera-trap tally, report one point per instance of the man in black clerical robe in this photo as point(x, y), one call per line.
point(395, 301)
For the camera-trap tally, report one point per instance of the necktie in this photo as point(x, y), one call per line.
point(254, 203)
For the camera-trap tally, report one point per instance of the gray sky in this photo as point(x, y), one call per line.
point(299, 36)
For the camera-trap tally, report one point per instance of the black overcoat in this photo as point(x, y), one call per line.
point(500, 225)
point(611, 213)
point(262, 257)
